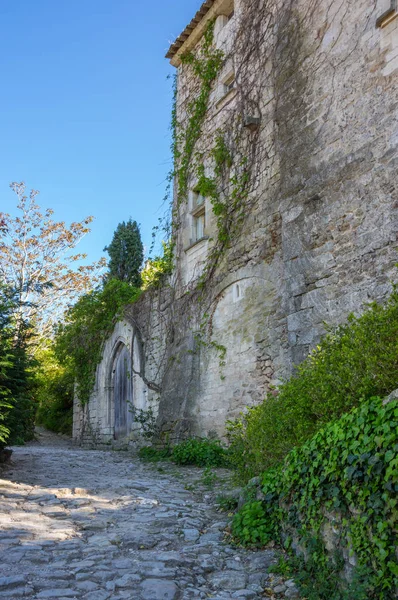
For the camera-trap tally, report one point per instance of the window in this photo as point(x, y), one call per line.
point(198, 216)
point(197, 200)
point(224, 17)
point(226, 85)
point(390, 12)
point(198, 226)
point(229, 83)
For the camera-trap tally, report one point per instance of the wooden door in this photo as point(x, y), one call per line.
point(123, 394)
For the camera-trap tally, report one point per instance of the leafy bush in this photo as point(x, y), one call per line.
point(356, 361)
point(153, 454)
point(156, 269)
point(54, 393)
point(88, 323)
point(321, 582)
point(250, 525)
point(349, 469)
point(147, 421)
point(201, 452)
point(226, 503)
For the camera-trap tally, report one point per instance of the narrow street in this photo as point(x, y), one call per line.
point(102, 525)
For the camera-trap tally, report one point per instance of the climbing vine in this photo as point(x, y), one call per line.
point(348, 471)
point(206, 66)
point(79, 340)
point(226, 149)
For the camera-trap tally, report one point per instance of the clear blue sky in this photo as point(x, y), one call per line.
point(85, 107)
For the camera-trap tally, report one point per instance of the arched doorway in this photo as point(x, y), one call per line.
point(122, 392)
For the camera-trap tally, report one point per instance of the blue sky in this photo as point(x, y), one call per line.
point(85, 107)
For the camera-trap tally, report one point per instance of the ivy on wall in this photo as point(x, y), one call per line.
point(206, 66)
point(79, 340)
point(347, 473)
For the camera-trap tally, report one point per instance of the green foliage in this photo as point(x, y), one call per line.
point(16, 402)
point(79, 341)
point(126, 254)
point(153, 454)
point(350, 469)
point(231, 209)
point(221, 155)
point(54, 393)
point(20, 419)
point(209, 478)
point(356, 361)
point(282, 567)
point(322, 581)
point(6, 333)
point(206, 66)
point(157, 268)
point(226, 503)
point(250, 526)
point(147, 420)
point(201, 452)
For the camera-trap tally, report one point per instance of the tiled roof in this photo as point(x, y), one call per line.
point(175, 46)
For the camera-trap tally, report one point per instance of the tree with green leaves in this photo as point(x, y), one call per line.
point(126, 254)
point(5, 363)
point(17, 406)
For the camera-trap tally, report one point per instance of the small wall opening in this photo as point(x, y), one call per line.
point(237, 292)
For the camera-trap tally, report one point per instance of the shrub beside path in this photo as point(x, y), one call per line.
point(102, 525)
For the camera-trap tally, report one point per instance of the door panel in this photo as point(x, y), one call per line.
point(123, 394)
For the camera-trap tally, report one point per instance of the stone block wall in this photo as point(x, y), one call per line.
point(318, 237)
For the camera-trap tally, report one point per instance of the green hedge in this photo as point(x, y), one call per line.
point(356, 361)
point(199, 452)
point(349, 469)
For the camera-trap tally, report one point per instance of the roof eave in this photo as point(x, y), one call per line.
point(193, 32)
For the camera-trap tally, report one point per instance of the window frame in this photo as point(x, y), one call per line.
point(198, 215)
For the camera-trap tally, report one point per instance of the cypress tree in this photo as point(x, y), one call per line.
point(126, 253)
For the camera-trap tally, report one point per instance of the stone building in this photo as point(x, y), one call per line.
point(284, 212)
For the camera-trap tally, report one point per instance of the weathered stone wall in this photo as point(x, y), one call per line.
point(143, 333)
point(319, 234)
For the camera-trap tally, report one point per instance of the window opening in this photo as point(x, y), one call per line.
point(198, 226)
point(229, 83)
point(237, 292)
point(198, 200)
point(388, 14)
point(198, 216)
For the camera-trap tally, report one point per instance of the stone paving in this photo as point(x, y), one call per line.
point(101, 525)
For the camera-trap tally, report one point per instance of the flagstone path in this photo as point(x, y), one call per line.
point(101, 525)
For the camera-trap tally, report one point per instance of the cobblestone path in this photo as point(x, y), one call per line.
point(99, 524)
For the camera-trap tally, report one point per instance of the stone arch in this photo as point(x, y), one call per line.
point(238, 317)
point(121, 390)
point(123, 345)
